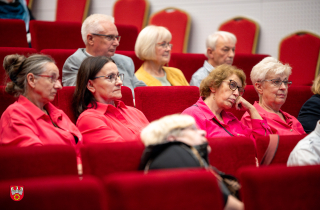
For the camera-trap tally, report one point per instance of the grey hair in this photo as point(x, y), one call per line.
point(212, 39)
point(18, 67)
point(148, 38)
point(268, 64)
point(157, 132)
point(92, 24)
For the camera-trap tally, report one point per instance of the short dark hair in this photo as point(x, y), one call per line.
point(82, 97)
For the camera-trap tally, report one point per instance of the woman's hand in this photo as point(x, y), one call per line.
point(243, 104)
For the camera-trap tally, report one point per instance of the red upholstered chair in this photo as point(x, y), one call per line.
point(29, 3)
point(158, 190)
point(188, 63)
point(13, 33)
point(106, 158)
point(137, 62)
point(59, 55)
point(281, 187)
point(285, 146)
point(72, 10)
point(158, 101)
point(6, 99)
point(50, 193)
point(228, 154)
point(65, 95)
point(128, 35)
point(131, 12)
point(48, 160)
point(246, 31)
point(55, 35)
point(4, 51)
point(301, 51)
point(178, 23)
point(246, 62)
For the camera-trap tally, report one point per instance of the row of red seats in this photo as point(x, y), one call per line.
point(156, 102)
point(188, 63)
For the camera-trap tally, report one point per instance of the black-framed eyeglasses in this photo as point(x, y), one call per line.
point(52, 78)
point(109, 37)
point(233, 85)
point(278, 82)
point(112, 77)
point(165, 45)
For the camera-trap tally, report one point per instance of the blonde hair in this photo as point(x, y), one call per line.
point(158, 131)
point(148, 38)
point(92, 24)
point(217, 75)
point(316, 85)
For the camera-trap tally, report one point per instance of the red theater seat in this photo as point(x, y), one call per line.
point(106, 158)
point(63, 193)
point(285, 146)
point(4, 51)
point(137, 62)
point(228, 154)
point(301, 51)
point(128, 35)
point(131, 12)
point(55, 35)
point(6, 99)
point(13, 33)
point(158, 190)
point(158, 101)
point(246, 31)
point(178, 23)
point(48, 160)
point(59, 55)
point(280, 187)
point(72, 10)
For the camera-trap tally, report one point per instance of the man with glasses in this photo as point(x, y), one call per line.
point(220, 50)
point(270, 79)
point(101, 38)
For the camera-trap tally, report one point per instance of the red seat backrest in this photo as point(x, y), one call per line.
point(4, 51)
point(6, 99)
point(281, 187)
point(131, 12)
point(246, 31)
point(128, 35)
point(59, 55)
point(64, 193)
point(72, 10)
point(158, 101)
point(137, 62)
point(285, 146)
point(305, 66)
point(55, 35)
point(170, 190)
point(106, 158)
point(13, 33)
point(48, 160)
point(178, 23)
point(228, 154)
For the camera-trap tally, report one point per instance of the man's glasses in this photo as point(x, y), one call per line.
point(52, 78)
point(278, 82)
point(165, 45)
point(233, 86)
point(109, 37)
point(112, 77)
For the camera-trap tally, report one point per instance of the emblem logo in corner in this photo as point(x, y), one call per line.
point(16, 193)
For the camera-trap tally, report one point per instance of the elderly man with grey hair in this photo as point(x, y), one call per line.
point(220, 50)
point(101, 38)
point(174, 141)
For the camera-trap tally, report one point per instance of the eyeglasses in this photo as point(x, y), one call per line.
point(278, 82)
point(52, 78)
point(109, 37)
point(233, 86)
point(112, 77)
point(165, 45)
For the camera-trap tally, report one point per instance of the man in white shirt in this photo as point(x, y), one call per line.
point(220, 50)
point(307, 151)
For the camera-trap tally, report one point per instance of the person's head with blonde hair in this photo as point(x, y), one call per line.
point(173, 128)
point(316, 85)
